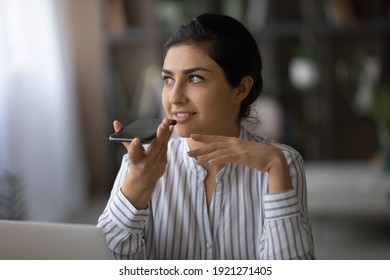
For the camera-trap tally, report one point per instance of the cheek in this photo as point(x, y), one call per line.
point(164, 101)
point(220, 99)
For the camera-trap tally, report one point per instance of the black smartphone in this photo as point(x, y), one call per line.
point(144, 129)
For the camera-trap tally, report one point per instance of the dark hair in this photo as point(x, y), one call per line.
point(229, 43)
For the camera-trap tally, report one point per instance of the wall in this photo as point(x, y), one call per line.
point(86, 37)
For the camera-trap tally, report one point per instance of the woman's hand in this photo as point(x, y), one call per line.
point(147, 166)
point(220, 150)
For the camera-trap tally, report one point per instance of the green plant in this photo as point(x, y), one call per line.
point(381, 112)
point(381, 105)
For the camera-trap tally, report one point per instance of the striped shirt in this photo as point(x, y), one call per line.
point(242, 222)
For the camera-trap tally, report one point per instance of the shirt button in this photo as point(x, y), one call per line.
point(141, 223)
point(209, 245)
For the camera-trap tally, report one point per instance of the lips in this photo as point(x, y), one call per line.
point(182, 117)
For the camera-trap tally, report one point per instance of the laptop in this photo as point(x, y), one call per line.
point(27, 240)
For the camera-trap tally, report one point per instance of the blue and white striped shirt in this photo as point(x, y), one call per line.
point(243, 221)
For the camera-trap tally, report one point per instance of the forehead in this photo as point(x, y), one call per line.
point(187, 56)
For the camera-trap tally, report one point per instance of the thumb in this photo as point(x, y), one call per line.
point(118, 126)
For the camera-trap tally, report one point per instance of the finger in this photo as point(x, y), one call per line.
point(118, 126)
point(164, 142)
point(208, 149)
point(213, 141)
point(221, 160)
point(135, 150)
point(218, 156)
point(162, 128)
point(158, 148)
point(171, 127)
point(164, 132)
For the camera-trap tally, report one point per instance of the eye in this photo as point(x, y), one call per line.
point(167, 80)
point(195, 79)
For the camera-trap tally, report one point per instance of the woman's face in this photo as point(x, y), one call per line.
point(197, 95)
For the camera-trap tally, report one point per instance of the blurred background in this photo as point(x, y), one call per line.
point(68, 68)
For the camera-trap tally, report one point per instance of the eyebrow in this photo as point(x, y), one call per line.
point(186, 71)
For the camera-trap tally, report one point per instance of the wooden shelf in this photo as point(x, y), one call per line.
point(138, 35)
point(313, 116)
point(294, 29)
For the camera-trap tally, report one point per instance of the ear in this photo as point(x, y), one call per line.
point(244, 88)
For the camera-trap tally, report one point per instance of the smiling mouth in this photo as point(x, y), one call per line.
point(184, 115)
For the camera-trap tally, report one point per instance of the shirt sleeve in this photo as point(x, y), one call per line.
point(287, 232)
point(123, 225)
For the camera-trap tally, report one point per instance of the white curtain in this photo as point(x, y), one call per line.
point(39, 131)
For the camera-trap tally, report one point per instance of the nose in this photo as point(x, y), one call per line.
point(177, 94)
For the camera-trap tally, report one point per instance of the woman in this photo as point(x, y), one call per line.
point(216, 191)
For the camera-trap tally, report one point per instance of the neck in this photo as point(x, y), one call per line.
point(234, 132)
